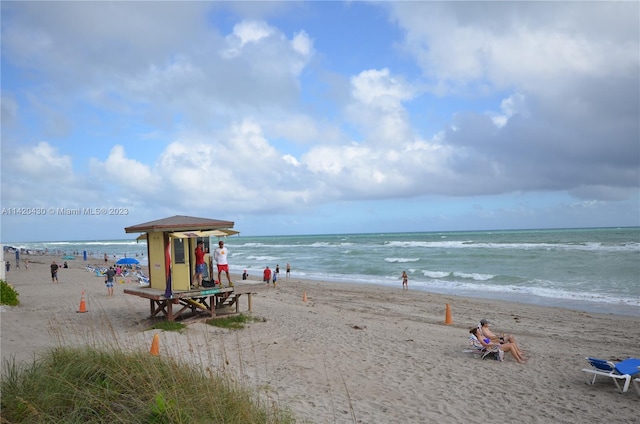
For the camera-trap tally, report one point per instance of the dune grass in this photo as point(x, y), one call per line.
point(169, 326)
point(8, 294)
point(90, 385)
point(233, 322)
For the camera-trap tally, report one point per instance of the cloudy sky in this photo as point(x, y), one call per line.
point(319, 117)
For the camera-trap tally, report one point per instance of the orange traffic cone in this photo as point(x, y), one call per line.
point(447, 317)
point(83, 305)
point(155, 345)
point(304, 296)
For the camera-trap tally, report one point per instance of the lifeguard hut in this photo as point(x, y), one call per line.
point(171, 244)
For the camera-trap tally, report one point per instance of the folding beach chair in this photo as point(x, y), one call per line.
point(477, 348)
point(623, 370)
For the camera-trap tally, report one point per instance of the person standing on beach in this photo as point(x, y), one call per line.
point(266, 276)
point(108, 280)
point(54, 272)
point(288, 274)
point(277, 270)
point(197, 276)
point(275, 277)
point(220, 255)
point(405, 281)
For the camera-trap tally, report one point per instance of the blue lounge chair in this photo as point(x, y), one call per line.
point(623, 370)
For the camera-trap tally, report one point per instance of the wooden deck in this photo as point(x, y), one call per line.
point(193, 304)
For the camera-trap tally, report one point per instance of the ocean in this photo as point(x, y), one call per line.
point(596, 270)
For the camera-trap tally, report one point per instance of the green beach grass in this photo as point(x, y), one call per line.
point(84, 385)
point(89, 385)
point(8, 294)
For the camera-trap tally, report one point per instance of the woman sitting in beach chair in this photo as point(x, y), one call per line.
point(486, 345)
point(485, 333)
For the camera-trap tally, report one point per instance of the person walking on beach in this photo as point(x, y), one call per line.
point(220, 255)
point(405, 281)
point(197, 276)
point(277, 270)
point(54, 272)
point(108, 280)
point(266, 276)
point(275, 277)
point(288, 274)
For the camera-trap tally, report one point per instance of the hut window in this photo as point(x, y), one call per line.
point(178, 251)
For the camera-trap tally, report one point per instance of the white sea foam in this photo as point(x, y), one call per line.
point(474, 276)
point(435, 274)
point(265, 258)
point(521, 292)
point(469, 244)
point(401, 260)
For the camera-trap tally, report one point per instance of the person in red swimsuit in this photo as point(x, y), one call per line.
point(197, 276)
point(266, 276)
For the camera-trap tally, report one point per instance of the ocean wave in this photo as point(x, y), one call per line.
point(436, 274)
point(458, 274)
point(401, 260)
point(474, 276)
point(466, 244)
point(530, 290)
point(263, 258)
point(288, 246)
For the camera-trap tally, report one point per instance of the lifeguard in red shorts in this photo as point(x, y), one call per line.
point(220, 255)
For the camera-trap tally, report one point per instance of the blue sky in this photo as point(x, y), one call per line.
point(319, 117)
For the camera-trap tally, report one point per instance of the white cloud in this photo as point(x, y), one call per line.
point(130, 175)
point(514, 45)
point(44, 162)
point(377, 107)
point(512, 105)
point(243, 33)
point(262, 117)
point(252, 31)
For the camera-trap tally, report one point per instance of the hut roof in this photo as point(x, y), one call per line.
point(179, 223)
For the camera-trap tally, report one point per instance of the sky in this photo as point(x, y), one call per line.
point(318, 117)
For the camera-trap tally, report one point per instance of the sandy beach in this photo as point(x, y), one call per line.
point(353, 353)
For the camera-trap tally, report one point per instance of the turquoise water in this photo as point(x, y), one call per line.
point(588, 269)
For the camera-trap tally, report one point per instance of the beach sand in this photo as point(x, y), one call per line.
point(352, 353)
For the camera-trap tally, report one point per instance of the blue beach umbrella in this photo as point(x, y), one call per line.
point(128, 261)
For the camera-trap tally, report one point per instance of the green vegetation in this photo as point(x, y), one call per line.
point(8, 294)
point(234, 322)
point(169, 326)
point(87, 385)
